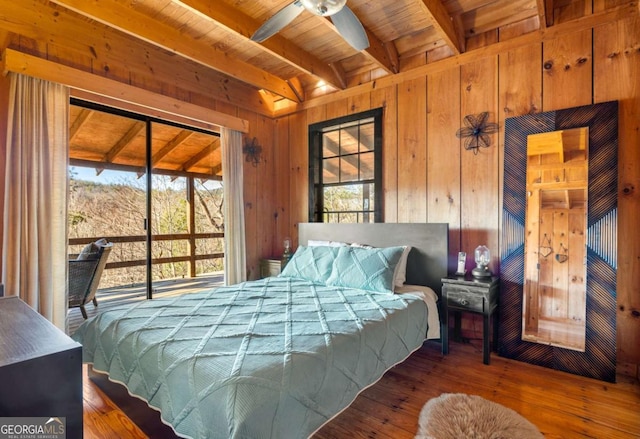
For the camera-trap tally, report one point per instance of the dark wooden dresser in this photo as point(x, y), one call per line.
point(40, 367)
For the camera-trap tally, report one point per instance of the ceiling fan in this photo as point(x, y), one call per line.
point(342, 17)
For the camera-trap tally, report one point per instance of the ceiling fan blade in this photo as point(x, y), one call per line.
point(281, 18)
point(350, 28)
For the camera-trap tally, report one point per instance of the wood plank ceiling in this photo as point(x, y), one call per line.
point(308, 58)
point(102, 140)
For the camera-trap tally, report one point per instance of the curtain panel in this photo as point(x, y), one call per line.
point(35, 198)
point(235, 270)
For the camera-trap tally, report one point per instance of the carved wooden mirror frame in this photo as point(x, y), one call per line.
point(599, 357)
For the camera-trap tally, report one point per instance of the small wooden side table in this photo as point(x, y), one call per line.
point(468, 294)
point(271, 267)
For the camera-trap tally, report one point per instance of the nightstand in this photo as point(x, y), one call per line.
point(468, 294)
point(271, 267)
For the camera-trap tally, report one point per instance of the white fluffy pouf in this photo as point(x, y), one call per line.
point(457, 415)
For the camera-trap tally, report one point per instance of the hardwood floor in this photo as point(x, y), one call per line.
point(561, 405)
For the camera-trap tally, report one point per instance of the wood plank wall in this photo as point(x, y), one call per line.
point(107, 53)
point(616, 58)
point(428, 176)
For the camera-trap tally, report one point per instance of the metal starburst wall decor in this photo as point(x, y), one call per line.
point(252, 151)
point(476, 132)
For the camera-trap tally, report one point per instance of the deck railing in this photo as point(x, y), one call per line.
point(191, 258)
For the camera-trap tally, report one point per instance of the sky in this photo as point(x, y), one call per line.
point(122, 177)
point(89, 174)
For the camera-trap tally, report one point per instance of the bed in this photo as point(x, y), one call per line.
point(281, 356)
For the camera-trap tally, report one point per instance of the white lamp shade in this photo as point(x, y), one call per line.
point(482, 256)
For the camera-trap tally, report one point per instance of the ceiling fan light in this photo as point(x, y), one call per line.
point(323, 8)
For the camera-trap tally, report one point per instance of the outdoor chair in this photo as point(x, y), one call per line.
point(85, 272)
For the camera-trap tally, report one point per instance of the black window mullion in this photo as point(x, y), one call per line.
point(359, 155)
point(318, 211)
point(340, 156)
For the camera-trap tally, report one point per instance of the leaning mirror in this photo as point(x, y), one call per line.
point(554, 301)
point(558, 256)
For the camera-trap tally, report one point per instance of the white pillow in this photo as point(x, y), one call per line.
point(316, 243)
point(355, 244)
point(400, 275)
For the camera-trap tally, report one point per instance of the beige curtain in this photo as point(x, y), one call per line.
point(235, 270)
point(35, 198)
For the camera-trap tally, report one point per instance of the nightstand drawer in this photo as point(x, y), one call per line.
point(465, 299)
point(270, 267)
point(468, 294)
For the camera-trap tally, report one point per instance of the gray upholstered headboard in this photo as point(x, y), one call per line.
point(427, 262)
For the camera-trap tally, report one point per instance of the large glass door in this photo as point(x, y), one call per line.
point(108, 200)
point(186, 210)
point(166, 226)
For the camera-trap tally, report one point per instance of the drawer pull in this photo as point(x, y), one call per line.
point(463, 301)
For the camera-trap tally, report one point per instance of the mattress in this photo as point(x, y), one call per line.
point(430, 299)
point(274, 358)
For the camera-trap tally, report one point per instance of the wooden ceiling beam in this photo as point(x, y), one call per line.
point(216, 170)
point(297, 88)
point(124, 141)
point(458, 25)
point(210, 148)
point(495, 15)
point(337, 67)
point(545, 13)
point(447, 28)
point(382, 54)
point(82, 118)
point(233, 20)
point(171, 145)
point(18, 62)
point(140, 170)
point(140, 26)
point(392, 53)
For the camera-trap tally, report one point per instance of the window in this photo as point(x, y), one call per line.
point(345, 169)
point(152, 187)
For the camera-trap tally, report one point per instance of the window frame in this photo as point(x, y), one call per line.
point(316, 183)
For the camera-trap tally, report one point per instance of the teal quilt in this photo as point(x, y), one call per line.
point(274, 358)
